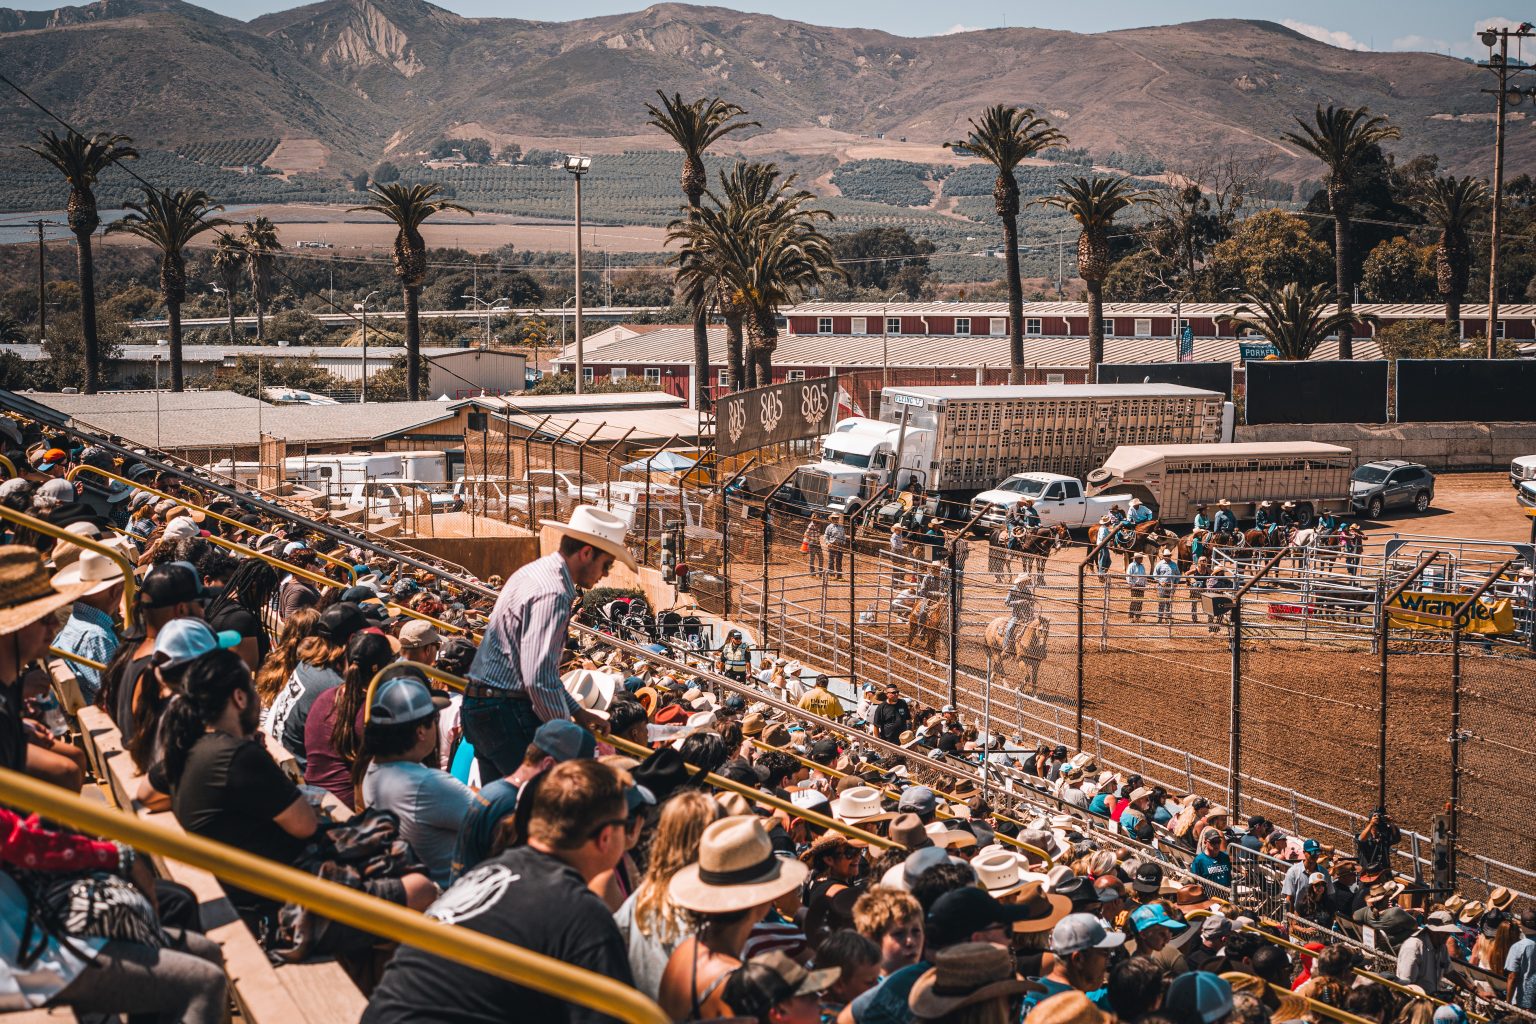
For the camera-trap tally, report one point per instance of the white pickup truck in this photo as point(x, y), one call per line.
point(1060, 501)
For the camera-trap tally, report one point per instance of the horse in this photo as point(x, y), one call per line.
point(1035, 544)
point(1028, 649)
point(1146, 538)
point(926, 622)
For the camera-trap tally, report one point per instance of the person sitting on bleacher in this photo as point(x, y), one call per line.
point(29, 608)
point(333, 732)
point(322, 658)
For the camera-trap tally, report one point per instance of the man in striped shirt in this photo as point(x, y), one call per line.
point(515, 677)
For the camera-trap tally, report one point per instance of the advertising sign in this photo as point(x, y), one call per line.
point(1432, 611)
point(752, 419)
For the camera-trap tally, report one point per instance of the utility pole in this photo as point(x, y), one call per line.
point(42, 284)
point(1498, 63)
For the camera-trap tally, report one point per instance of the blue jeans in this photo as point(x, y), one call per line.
point(501, 730)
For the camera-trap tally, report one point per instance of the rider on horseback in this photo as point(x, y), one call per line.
point(1022, 608)
point(1328, 523)
point(1202, 520)
point(1225, 522)
point(1267, 518)
point(930, 595)
point(1290, 517)
point(1023, 514)
point(1139, 513)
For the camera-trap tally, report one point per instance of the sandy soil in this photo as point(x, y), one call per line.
point(299, 156)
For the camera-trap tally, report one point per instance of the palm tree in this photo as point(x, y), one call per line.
point(1343, 138)
point(1294, 318)
point(11, 330)
point(81, 160)
point(695, 127)
point(227, 262)
point(1450, 204)
point(409, 206)
point(260, 240)
point(752, 252)
point(1093, 203)
point(169, 221)
point(1004, 137)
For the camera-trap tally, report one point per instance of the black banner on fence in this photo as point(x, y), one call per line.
point(1206, 376)
point(1482, 390)
point(752, 419)
point(1316, 391)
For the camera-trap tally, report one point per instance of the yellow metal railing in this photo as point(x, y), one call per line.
point(77, 659)
point(10, 467)
point(130, 585)
point(1322, 1009)
point(367, 913)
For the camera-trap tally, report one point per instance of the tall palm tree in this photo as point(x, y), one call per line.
point(409, 206)
point(1450, 204)
point(1003, 137)
point(228, 262)
point(169, 221)
point(1294, 318)
point(1342, 138)
point(81, 160)
point(695, 127)
point(260, 241)
point(1094, 203)
point(11, 330)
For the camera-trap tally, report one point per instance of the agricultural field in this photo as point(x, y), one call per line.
point(230, 152)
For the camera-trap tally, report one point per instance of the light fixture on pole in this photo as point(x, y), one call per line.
point(161, 344)
point(578, 166)
point(500, 303)
point(362, 307)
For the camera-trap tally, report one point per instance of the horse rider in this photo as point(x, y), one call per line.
point(1267, 518)
point(1328, 523)
point(1138, 513)
point(1202, 518)
point(1117, 514)
point(930, 591)
point(1022, 609)
point(735, 657)
point(1290, 517)
point(1023, 515)
point(1224, 521)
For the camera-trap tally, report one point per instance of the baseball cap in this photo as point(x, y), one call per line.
point(564, 740)
point(52, 457)
point(357, 595)
point(417, 633)
point(170, 583)
point(180, 528)
point(57, 489)
point(338, 622)
point(918, 800)
point(293, 547)
point(1155, 914)
point(402, 696)
point(1311, 846)
point(1450, 1013)
point(182, 640)
point(823, 751)
point(1199, 996)
point(959, 912)
point(1149, 878)
point(1077, 932)
point(768, 979)
point(1216, 926)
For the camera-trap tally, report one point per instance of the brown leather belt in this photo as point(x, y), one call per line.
point(481, 691)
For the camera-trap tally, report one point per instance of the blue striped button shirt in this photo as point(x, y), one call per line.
point(526, 634)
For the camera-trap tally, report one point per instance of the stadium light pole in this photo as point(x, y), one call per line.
point(577, 166)
point(362, 307)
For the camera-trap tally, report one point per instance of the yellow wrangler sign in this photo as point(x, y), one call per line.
point(1432, 611)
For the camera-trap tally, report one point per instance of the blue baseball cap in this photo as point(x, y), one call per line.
point(1199, 996)
point(1155, 914)
point(1312, 846)
point(184, 640)
point(564, 740)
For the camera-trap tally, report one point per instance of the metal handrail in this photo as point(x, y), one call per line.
point(10, 467)
point(1314, 1005)
point(346, 906)
point(130, 585)
point(78, 659)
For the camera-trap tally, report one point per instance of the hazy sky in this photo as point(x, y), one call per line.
point(1443, 26)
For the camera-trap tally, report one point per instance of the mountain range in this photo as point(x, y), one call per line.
point(359, 80)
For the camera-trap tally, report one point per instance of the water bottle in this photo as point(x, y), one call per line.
point(47, 708)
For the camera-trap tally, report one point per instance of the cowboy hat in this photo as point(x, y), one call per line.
point(1470, 912)
point(1501, 899)
point(1441, 921)
point(736, 870)
point(963, 975)
point(26, 593)
point(1223, 503)
point(592, 689)
point(93, 569)
point(948, 838)
point(599, 528)
point(858, 803)
point(1068, 1008)
point(1291, 1006)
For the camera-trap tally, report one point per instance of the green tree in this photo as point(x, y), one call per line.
point(384, 174)
point(1267, 250)
point(884, 260)
point(169, 221)
point(227, 264)
point(12, 332)
point(694, 127)
point(1343, 138)
point(260, 241)
point(1294, 318)
point(392, 384)
point(251, 373)
point(1398, 271)
point(1004, 137)
point(409, 206)
point(298, 327)
point(81, 161)
point(16, 374)
point(1450, 204)
point(1094, 203)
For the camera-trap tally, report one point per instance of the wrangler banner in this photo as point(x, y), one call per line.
point(1418, 611)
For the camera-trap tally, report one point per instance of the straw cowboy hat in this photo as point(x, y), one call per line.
point(1470, 912)
point(592, 689)
point(1291, 1006)
point(26, 593)
point(948, 838)
point(736, 870)
point(1501, 899)
point(963, 975)
point(599, 528)
point(1223, 503)
point(95, 570)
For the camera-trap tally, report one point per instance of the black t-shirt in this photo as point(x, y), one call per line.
point(524, 897)
point(234, 617)
point(13, 737)
point(891, 720)
point(230, 791)
point(122, 709)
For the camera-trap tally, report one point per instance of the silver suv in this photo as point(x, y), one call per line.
point(1390, 483)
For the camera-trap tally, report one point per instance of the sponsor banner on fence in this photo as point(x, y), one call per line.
point(780, 412)
point(1418, 611)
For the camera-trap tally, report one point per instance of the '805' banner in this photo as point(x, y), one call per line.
point(753, 419)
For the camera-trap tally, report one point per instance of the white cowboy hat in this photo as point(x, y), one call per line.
point(998, 872)
point(858, 803)
point(946, 837)
point(92, 568)
point(1224, 503)
point(1135, 502)
point(592, 689)
point(1289, 504)
point(1266, 503)
point(736, 870)
point(1165, 553)
point(793, 668)
point(599, 528)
